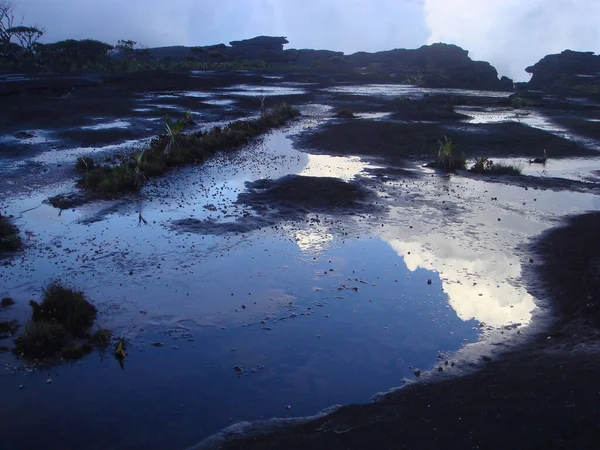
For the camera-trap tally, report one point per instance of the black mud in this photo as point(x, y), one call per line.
point(290, 198)
point(399, 142)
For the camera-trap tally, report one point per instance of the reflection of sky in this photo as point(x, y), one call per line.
point(313, 240)
point(477, 283)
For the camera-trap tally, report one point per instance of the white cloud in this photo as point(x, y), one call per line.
point(514, 34)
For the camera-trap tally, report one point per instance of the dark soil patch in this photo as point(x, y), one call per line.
point(543, 395)
point(289, 198)
point(303, 195)
point(398, 142)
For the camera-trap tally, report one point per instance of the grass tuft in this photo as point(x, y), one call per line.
point(447, 156)
point(40, 339)
point(486, 166)
point(9, 235)
point(64, 306)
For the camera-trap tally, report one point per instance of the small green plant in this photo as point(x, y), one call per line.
point(138, 174)
point(64, 306)
point(345, 113)
point(173, 131)
point(447, 157)
point(9, 235)
point(84, 164)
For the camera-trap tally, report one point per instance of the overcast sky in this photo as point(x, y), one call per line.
point(510, 34)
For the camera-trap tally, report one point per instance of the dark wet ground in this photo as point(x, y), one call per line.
point(327, 273)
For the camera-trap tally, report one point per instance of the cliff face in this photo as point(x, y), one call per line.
point(437, 65)
point(568, 72)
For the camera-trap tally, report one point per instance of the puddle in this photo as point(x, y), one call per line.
point(220, 102)
point(108, 125)
point(247, 90)
point(401, 90)
point(533, 119)
point(373, 116)
point(579, 169)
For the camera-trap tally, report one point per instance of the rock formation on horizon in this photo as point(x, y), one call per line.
point(436, 65)
point(569, 72)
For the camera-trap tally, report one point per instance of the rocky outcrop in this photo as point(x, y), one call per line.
point(568, 72)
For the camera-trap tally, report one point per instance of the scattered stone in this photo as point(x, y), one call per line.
point(49, 381)
point(429, 281)
point(417, 372)
point(486, 358)
point(157, 344)
point(238, 369)
point(288, 407)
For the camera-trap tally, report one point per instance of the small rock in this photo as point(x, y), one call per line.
point(21, 386)
point(49, 381)
point(429, 281)
point(486, 358)
point(238, 369)
point(157, 344)
point(440, 369)
point(531, 260)
point(417, 372)
point(288, 407)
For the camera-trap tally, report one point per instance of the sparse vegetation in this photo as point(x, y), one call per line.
point(345, 113)
point(176, 149)
point(447, 156)
point(9, 235)
point(486, 166)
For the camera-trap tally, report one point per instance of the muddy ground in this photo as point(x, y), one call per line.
point(541, 393)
